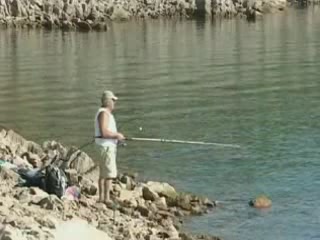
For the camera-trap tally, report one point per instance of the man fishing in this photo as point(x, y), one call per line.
point(107, 138)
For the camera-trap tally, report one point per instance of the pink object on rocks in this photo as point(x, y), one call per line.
point(72, 193)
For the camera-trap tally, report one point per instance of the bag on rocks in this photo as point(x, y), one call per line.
point(56, 181)
point(32, 178)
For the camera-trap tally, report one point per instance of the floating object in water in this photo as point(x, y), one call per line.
point(260, 202)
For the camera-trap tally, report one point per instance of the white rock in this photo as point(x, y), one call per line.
point(161, 203)
point(163, 189)
point(120, 14)
point(80, 230)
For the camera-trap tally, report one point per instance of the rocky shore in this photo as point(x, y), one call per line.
point(141, 210)
point(86, 15)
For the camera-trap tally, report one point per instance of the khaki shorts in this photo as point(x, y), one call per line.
point(108, 166)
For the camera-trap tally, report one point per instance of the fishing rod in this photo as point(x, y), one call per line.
point(181, 142)
point(162, 140)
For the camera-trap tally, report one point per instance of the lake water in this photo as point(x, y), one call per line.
point(253, 84)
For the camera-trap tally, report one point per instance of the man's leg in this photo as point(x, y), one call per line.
point(103, 174)
point(107, 189)
point(101, 188)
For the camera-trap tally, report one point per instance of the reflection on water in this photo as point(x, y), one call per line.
point(253, 84)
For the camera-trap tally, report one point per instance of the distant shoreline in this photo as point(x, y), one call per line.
point(95, 15)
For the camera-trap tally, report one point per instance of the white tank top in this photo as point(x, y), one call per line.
point(105, 142)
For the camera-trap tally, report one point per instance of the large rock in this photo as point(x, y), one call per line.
point(55, 148)
point(34, 148)
point(79, 161)
point(144, 211)
point(38, 3)
point(15, 8)
point(128, 181)
point(149, 194)
point(184, 201)
point(88, 187)
point(5, 12)
point(266, 5)
point(120, 14)
point(3, 131)
point(15, 145)
point(69, 8)
point(271, 5)
point(162, 189)
point(191, 203)
point(172, 231)
point(79, 10)
point(161, 203)
point(33, 159)
point(83, 26)
point(67, 25)
point(15, 142)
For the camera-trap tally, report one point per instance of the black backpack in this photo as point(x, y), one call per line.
point(56, 180)
point(32, 178)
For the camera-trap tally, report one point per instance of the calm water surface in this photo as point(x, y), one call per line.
point(253, 84)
